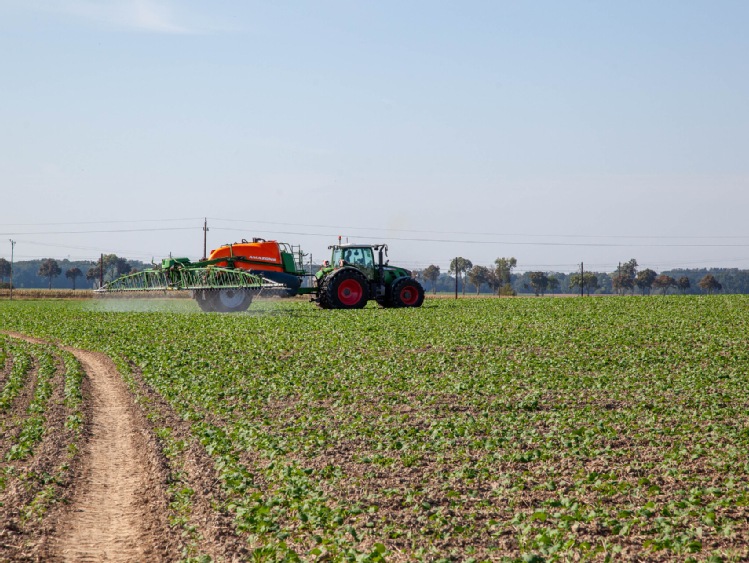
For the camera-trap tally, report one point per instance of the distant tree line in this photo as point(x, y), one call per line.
point(499, 279)
point(66, 274)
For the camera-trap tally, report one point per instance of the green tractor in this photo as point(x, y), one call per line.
point(352, 277)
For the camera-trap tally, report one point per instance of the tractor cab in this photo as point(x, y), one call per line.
point(360, 257)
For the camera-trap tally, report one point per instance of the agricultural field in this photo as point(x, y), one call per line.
point(471, 430)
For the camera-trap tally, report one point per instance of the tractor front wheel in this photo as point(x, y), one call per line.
point(322, 295)
point(345, 289)
point(407, 292)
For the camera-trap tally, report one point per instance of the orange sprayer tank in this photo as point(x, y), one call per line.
point(261, 255)
point(271, 259)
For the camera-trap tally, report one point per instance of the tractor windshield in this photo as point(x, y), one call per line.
point(359, 257)
point(356, 256)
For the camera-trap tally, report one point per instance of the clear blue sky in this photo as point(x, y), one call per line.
point(551, 131)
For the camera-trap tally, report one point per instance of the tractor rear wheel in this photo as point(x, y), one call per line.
point(407, 292)
point(345, 289)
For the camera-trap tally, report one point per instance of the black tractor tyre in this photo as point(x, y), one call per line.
point(345, 289)
point(406, 292)
point(322, 299)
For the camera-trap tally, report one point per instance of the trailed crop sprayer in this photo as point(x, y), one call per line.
point(234, 274)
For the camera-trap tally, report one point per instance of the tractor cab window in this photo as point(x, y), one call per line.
point(359, 257)
point(368, 257)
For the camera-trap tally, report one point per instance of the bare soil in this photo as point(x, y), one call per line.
point(116, 513)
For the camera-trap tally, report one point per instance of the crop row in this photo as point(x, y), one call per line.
point(41, 421)
point(481, 429)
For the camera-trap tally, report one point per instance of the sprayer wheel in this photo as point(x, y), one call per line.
point(204, 299)
point(223, 300)
point(231, 300)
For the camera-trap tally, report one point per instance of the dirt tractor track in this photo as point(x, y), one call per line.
point(107, 491)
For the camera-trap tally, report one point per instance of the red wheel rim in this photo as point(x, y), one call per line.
point(350, 292)
point(409, 295)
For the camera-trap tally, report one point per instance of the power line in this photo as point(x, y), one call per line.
point(416, 239)
point(99, 231)
point(530, 235)
point(361, 237)
point(509, 243)
point(101, 222)
point(97, 249)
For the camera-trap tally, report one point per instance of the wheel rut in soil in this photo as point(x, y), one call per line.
point(112, 516)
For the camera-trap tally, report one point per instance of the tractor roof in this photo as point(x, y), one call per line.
point(352, 245)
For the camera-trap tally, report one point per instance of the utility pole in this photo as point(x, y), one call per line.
point(456, 277)
point(205, 237)
point(582, 278)
point(12, 248)
point(101, 270)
